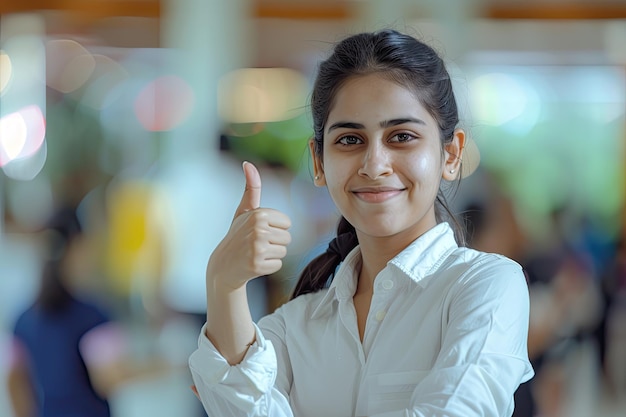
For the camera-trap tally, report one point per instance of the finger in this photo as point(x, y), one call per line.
point(279, 237)
point(251, 198)
point(270, 266)
point(270, 217)
point(275, 252)
point(278, 219)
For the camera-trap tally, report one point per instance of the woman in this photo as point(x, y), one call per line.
point(50, 373)
point(395, 319)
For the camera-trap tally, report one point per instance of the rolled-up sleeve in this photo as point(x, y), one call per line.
point(245, 389)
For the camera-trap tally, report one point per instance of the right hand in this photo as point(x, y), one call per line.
point(256, 242)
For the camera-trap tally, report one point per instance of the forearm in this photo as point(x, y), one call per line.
point(229, 323)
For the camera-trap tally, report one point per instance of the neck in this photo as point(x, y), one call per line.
point(375, 253)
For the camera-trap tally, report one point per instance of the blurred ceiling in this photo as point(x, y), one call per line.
point(87, 10)
point(542, 24)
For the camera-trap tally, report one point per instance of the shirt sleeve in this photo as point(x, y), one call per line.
point(483, 356)
point(246, 389)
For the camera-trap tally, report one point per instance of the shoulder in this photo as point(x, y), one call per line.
point(23, 322)
point(477, 264)
point(489, 272)
point(487, 282)
point(27, 317)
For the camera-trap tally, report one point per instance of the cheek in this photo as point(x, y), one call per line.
point(426, 168)
point(334, 168)
point(335, 178)
point(337, 175)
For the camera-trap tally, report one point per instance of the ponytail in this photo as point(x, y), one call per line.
point(321, 270)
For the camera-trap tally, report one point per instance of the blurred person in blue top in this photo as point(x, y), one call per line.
point(397, 317)
point(49, 374)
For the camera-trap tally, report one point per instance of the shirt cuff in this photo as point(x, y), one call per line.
point(243, 383)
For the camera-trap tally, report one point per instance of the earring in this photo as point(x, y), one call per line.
point(317, 177)
point(452, 171)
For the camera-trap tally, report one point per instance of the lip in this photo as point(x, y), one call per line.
point(376, 194)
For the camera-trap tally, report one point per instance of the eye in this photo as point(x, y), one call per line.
point(349, 140)
point(402, 137)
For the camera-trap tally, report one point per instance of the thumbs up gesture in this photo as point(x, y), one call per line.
point(256, 242)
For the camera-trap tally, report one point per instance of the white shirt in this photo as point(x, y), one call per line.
point(445, 336)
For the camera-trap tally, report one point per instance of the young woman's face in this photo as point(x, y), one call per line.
point(382, 159)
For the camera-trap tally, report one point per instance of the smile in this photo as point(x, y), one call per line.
point(377, 195)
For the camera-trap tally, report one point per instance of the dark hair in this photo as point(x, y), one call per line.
point(408, 62)
point(53, 295)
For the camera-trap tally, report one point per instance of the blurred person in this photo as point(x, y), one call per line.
point(49, 375)
point(614, 289)
point(69, 356)
point(566, 308)
point(396, 318)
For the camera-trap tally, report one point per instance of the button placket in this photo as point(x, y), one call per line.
point(380, 315)
point(380, 301)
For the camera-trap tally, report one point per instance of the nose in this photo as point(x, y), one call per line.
point(376, 161)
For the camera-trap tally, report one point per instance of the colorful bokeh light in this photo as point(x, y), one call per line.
point(21, 134)
point(164, 103)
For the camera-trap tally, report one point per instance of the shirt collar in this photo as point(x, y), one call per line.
point(344, 283)
point(417, 262)
point(426, 254)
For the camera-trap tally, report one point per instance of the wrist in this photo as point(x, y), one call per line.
point(223, 283)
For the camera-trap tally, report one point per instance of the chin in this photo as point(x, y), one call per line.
point(379, 231)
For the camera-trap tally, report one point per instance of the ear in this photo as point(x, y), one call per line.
point(318, 166)
point(453, 154)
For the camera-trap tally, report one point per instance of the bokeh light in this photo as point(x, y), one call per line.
point(13, 132)
point(254, 95)
point(21, 134)
point(500, 99)
point(26, 169)
point(6, 70)
point(602, 97)
point(103, 90)
point(68, 65)
point(164, 103)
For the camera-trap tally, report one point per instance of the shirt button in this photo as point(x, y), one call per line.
point(380, 315)
point(388, 284)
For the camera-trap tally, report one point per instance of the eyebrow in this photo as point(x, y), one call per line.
point(395, 122)
point(384, 123)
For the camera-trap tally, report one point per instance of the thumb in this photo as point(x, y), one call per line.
point(251, 198)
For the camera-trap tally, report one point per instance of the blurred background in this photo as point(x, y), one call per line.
point(134, 116)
